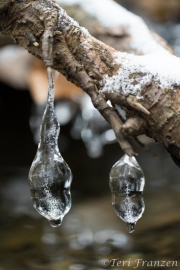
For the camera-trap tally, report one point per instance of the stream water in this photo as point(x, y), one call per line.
point(91, 231)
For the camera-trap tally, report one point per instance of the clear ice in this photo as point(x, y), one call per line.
point(127, 184)
point(49, 176)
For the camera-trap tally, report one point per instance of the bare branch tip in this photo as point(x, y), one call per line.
point(36, 44)
point(130, 152)
point(134, 103)
point(49, 69)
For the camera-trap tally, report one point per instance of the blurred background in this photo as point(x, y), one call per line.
point(91, 231)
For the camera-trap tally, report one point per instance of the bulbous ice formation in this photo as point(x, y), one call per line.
point(127, 184)
point(49, 176)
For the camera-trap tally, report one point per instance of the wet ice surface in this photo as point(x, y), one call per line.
point(50, 177)
point(127, 184)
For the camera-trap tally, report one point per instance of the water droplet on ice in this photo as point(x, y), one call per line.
point(131, 227)
point(127, 184)
point(55, 222)
point(49, 176)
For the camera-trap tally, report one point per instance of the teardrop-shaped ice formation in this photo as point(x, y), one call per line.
point(127, 184)
point(128, 208)
point(49, 176)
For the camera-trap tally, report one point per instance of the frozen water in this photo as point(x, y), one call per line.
point(128, 208)
point(49, 176)
point(126, 176)
point(127, 184)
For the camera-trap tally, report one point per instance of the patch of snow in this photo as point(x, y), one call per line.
point(161, 68)
point(72, 22)
point(156, 65)
point(111, 14)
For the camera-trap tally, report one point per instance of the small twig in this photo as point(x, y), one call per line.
point(112, 118)
point(146, 148)
point(88, 85)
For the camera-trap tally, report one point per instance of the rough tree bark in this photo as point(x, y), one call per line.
point(146, 89)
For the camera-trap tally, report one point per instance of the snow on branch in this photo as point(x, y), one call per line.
point(162, 68)
point(110, 14)
point(145, 85)
point(152, 78)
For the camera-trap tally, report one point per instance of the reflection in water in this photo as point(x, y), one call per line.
point(88, 234)
point(77, 267)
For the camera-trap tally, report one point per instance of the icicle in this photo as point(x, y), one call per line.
point(49, 176)
point(127, 184)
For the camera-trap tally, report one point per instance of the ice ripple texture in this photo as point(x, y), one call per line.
point(127, 183)
point(49, 176)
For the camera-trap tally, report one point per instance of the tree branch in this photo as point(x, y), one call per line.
point(139, 84)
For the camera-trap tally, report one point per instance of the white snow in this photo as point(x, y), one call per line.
point(161, 68)
point(157, 64)
point(111, 14)
point(72, 22)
